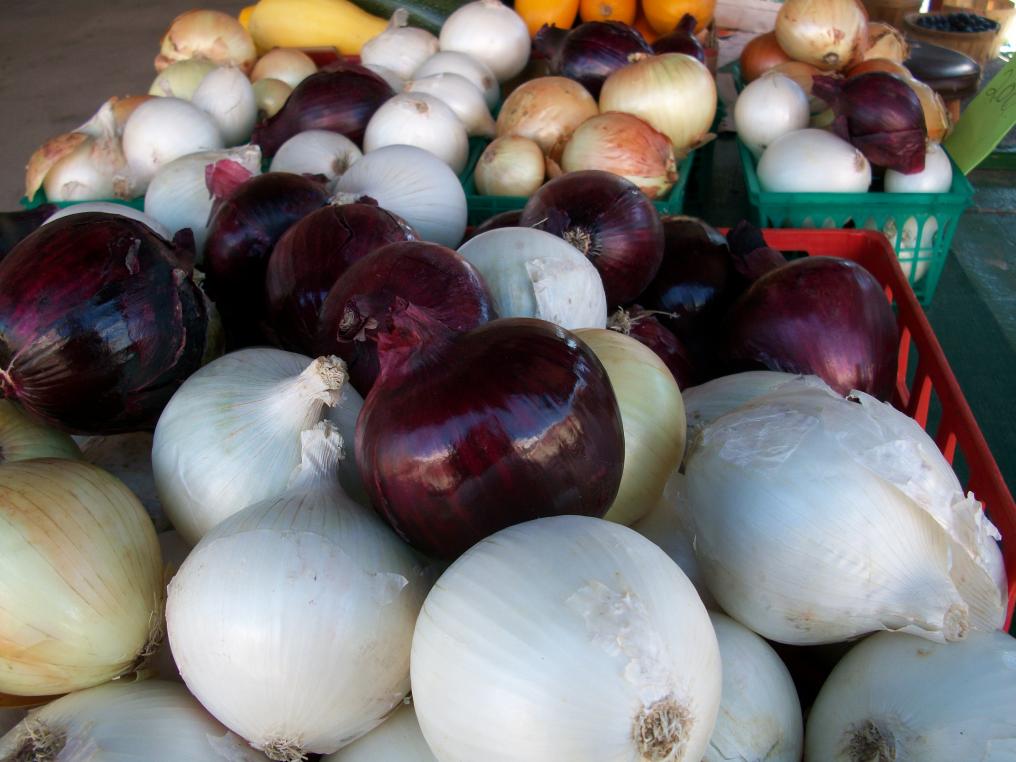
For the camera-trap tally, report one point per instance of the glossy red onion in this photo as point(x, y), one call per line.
point(593, 51)
point(822, 315)
point(609, 220)
point(880, 115)
point(464, 435)
point(681, 40)
point(341, 99)
point(310, 257)
point(241, 236)
point(100, 322)
point(426, 275)
point(14, 226)
point(644, 325)
point(509, 219)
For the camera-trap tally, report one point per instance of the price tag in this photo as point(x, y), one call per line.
point(989, 118)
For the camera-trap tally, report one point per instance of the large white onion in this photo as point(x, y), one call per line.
point(547, 110)
point(228, 97)
point(465, 65)
point(829, 34)
point(397, 739)
point(462, 97)
point(936, 177)
point(491, 32)
point(813, 161)
point(164, 129)
point(771, 106)
point(399, 48)
point(421, 120)
point(565, 639)
point(316, 152)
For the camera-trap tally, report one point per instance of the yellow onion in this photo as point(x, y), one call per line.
point(803, 74)
point(270, 95)
point(869, 65)
point(546, 110)
point(80, 578)
point(212, 35)
point(674, 93)
point(652, 417)
point(288, 65)
point(181, 78)
point(936, 115)
point(24, 438)
point(627, 146)
point(885, 41)
point(510, 166)
point(829, 34)
point(760, 55)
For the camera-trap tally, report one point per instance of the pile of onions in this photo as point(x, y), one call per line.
point(463, 435)
point(829, 34)
point(767, 108)
point(510, 166)
point(592, 51)
point(462, 97)
point(164, 129)
point(421, 120)
point(477, 72)
point(316, 152)
point(490, 32)
point(547, 110)
point(100, 321)
point(211, 35)
point(760, 55)
point(228, 97)
point(287, 65)
point(400, 48)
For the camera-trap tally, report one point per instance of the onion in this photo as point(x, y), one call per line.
point(317, 632)
point(804, 75)
point(936, 115)
point(462, 97)
point(760, 55)
point(936, 177)
point(547, 110)
point(510, 166)
point(399, 48)
point(624, 145)
point(426, 275)
point(24, 438)
point(813, 161)
point(609, 220)
point(592, 51)
point(707, 402)
point(340, 101)
point(211, 35)
point(642, 325)
point(228, 96)
point(420, 120)
point(397, 739)
point(316, 152)
point(886, 42)
point(869, 65)
point(769, 107)
point(14, 226)
point(108, 208)
point(310, 257)
point(490, 32)
point(463, 435)
point(77, 536)
point(287, 65)
point(475, 71)
point(164, 129)
point(636, 668)
point(395, 82)
point(270, 96)
point(415, 185)
point(821, 315)
point(673, 92)
point(100, 321)
point(181, 79)
point(509, 219)
point(681, 40)
point(829, 34)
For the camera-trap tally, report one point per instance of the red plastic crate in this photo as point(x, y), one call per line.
point(956, 429)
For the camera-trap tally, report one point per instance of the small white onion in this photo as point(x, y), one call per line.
point(400, 48)
point(936, 177)
point(531, 274)
point(771, 106)
point(459, 63)
point(510, 166)
point(395, 82)
point(914, 256)
point(316, 152)
point(461, 96)
point(108, 207)
point(270, 96)
point(181, 79)
point(813, 161)
point(164, 129)
point(287, 65)
point(397, 739)
point(228, 96)
point(491, 32)
point(421, 120)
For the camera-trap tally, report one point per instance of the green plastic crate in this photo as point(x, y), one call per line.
point(40, 199)
point(920, 226)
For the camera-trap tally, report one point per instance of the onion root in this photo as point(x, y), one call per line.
point(661, 731)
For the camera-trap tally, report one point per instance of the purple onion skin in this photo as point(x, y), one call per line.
point(14, 226)
point(593, 51)
point(643, 325)
point(244, 230)
point(609, 220)
point(681, 40)
point(465, 435)
point(311, 256)
point(100, 322)
point(359, 304)
point(821, 315)
point(509, 219)
point(341, 98)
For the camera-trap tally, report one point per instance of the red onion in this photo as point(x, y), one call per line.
point(820, 315)
point(14, 226)
point(341, 99)
point(609, 220)
point(242, 233)
point(311, 256)
point(464, 435)
point(643, 325)
point(427, 275)
point(750, 255)
point(681, 40)
point(881, 116)
point(591, 52)
point(100, 322)
point(509, 219)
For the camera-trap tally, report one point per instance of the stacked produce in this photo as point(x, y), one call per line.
point(400, 499)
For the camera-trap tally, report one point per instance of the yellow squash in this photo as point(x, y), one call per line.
point(311, 24)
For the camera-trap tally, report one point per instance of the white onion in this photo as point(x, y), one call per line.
point(829, 34)
point(568, 639)
point(936, 177)
point(228, 97)
point(510, 166)
point(164, 129)
point(530, 274)
point(413, 184)
point(461, 96)
point(316, 152)
point(108, 207)
point(771, 106)
point(421, 120)
point(292, 620)
point(813, 161)
point(914, 256)
point(210, 35)
point(898, 697)
point(287, 65)
point(181, 79)
point(465, 65)
point(397, 739)
point(491, 32)
point(395, 82)
point(400, 48)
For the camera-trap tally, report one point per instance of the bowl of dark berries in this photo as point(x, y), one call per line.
point(969, 33)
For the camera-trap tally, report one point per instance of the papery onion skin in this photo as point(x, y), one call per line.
point(869, 65)
point(643, 325)
point(936, 115)
point(426, 275)
point(829, 34)
point(212, 35)
point(885, 41)
point(465, 435)
point(546, 110)
point(100, 322)
point(592, 51)
point(760, 55)
point(610, 221)
point(310, 257)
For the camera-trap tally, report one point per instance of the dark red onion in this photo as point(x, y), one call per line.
point(100, 322)
point(593, 51)
point(822, 315)
point(341, 99)
point(426, 275)
point(681, 40)
point(609, 220)
point(509, 219)
point(464, 435)
point(751, 257)
point(644, 326)
point(880, 115)
point(311, 256)
point(14, 226)
point(548, 42)
point(242, 233)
